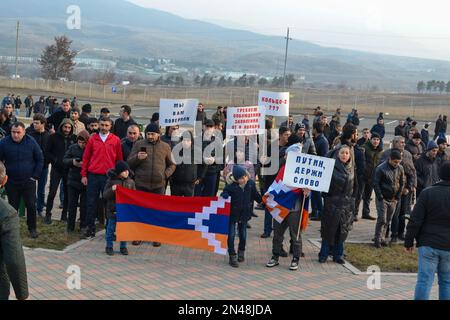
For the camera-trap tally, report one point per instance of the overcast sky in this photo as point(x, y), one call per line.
point(401, 27)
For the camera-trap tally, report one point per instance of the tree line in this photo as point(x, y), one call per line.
point(433, 86)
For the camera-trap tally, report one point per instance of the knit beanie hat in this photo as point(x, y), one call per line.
point(238, 172)
point(441, 141)
point(152, 127)
point(121, 166)
point(432, 145)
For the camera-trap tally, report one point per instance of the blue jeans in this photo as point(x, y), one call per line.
point(337, 249)
point(242, 229)
point(317, 204)
point(96, 184)
point(40, 197)
point(268, 222)
point(207, 187)
point(61, 192)
point(110, 233)
point(432, 261)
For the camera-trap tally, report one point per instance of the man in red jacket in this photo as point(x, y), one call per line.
point(102, 153)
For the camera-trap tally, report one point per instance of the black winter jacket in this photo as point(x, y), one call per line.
point(121, 127)
point(427, 172)
point(74, 176)
point(241, 200)
point(388, 182)
point(57, 146)
point(110, 195)
point(430, 219)
point(41, 139)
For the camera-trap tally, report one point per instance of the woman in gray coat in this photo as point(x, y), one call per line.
point(337, 218)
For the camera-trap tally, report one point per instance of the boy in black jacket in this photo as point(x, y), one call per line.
point(243, 192)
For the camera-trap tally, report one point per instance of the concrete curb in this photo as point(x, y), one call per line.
point(356, 271)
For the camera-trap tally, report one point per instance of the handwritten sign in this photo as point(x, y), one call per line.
point(308, 171)
point(176, 112)
point(245, 121)
point(276, 103)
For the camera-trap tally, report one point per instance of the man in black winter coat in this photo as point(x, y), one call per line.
point(133, 135)
point(430, 227)
point(121, 125)
point(57, 117)
point(427, 168)
point(40, 134)
point(58, 143)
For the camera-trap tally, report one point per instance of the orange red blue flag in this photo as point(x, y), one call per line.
point(192, 222)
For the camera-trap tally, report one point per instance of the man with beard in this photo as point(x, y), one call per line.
point(57, 145)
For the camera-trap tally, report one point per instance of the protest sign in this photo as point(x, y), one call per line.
point(448, 140)
point(275, 103)
point(308, 171)
point(176, 112)
point(245, 121)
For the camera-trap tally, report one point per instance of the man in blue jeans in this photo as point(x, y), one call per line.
point(430, 226)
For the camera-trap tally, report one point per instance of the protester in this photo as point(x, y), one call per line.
point(5, 122)
point(24, 161)
point(133, 135)
point(300, 137)
point(9, 107)
point(337, 218)
point(155, 119)
point(119, 176)
point(94, 126)
point(201, 114)
point(415, 146)
point(7, 99)
point(171, 132)
point(365, 137)
point(425, 134)
point(289, 123)
point(39, 106)
point(28, 105)
point(102, 153)
point(219, 116)
point(291, 222)
point(438, 127)
point(429, 226)
point(442, 155)
point(187, 173)
point(121, 125)
point(151, 161)
point(400, 130)
point(242, 191)
point(403, 209)
point(58, 116)
point(207, 185)
point(57, 145)
point(372, 155)
point(76, 191)
point(322, 148)
point(78, 126)
point(17, 105)
point(305, 122)
point(86, 114)
point(104, 113)
point(427, 168)
point(12, 260)
point(389, 180)
point(326, 127)
point(380, 129)
point(40, 135)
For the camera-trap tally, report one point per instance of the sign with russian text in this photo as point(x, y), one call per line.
point(245, 121)
point(308, 171)
point(276, 103)
point(176, 112)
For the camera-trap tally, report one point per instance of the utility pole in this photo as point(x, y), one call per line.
point(285, 58)
point(17, 50)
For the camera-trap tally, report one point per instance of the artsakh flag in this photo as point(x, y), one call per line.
point(192, 222)
point(280, 200)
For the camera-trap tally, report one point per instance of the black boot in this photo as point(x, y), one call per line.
point(234, 261)
point(241, 256)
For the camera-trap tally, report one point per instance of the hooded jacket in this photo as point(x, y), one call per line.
point(109, 195)
point(75, 152)
point(57, 146)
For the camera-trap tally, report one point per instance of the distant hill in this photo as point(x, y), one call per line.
point(132, 31)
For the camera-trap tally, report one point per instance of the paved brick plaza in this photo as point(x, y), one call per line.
point(178, 273)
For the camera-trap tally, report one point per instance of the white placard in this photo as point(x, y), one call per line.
point(276, 103)
point(176, 112)
point(448, 140)
point(245, 121)
point(308, 171)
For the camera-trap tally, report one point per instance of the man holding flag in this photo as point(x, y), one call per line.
point(287, 206)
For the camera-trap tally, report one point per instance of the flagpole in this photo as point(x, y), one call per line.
point(301, 216)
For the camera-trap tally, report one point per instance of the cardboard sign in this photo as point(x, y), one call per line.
point(276, 103)
point(176, 112)
point(245, 121)
point(308, 171)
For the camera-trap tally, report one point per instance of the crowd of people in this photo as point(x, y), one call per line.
point(86, 158)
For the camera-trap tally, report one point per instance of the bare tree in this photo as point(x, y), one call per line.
point(57, 60)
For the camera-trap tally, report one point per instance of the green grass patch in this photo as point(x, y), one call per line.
point(390, 259)
point(52, 236)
